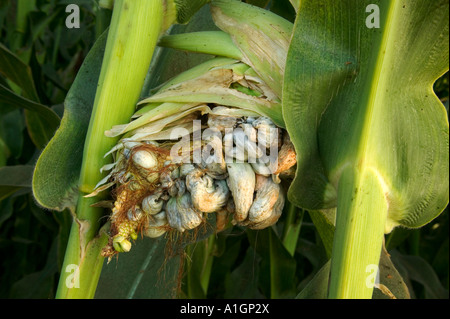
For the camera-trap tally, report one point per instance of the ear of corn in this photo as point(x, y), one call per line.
point(229, 92)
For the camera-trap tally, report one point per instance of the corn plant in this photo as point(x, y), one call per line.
point(340, 92)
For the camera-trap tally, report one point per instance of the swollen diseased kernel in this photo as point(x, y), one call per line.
point(158, 195)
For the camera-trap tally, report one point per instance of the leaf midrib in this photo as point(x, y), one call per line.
point(375, 97)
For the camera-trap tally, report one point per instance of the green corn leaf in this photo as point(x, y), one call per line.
point(317, 287)
point(324, 221)
point(11, 131)
point(41, 129)
point(237, 277)
point(419, 270)
point(43, 119)
point(370, 134)
point(405, 123)
point(6, 210)
point(12, 99)
point(277, 265)
point(13, 178)
point(292, 226)
point(13, 68)
point(4, 152)
point(42, 123)
point(241, 281)
point(39, 284)
point(199, 263)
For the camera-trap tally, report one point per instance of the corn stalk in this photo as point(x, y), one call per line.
point(131, 41)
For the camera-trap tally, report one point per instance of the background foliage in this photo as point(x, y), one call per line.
point(236, 263)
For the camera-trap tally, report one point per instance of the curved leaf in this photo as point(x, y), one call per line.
point(317, 287)
point(43, 121)
point(17, 71)
point(13, 178)
point(366, 97)
point(276, 261)
point(14, 100)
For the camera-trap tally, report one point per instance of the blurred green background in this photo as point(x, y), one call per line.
point(47, 57)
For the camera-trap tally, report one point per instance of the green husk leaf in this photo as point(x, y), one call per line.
point(262, 36)
point(209, 42)
point(167, 63)
point(193, 73)
point(161, 112)
point(213, 87)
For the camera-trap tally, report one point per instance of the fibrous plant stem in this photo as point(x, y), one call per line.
point(133, 34)
point(361, 218)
